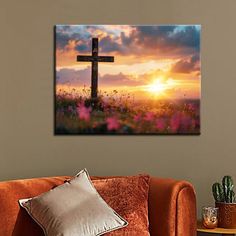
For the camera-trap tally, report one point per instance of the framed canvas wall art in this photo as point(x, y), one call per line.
point(127, 79)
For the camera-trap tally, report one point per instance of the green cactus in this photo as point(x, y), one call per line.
point(232, 196)
point(228, 186)
point(224, 192)
point(218, 192)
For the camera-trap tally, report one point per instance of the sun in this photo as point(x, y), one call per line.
point(161, 86)
point(158, 86)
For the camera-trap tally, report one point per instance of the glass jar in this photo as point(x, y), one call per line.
point(210, 217)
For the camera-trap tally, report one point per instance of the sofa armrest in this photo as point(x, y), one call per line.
point(172, 208)
point(15, 221)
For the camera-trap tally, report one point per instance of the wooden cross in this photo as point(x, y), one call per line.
point(95, 59)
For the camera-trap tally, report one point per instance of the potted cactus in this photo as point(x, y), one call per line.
point(225, 200)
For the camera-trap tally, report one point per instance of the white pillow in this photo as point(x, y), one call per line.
point(72, 209)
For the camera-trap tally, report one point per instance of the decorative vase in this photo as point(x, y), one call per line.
point(227, 215)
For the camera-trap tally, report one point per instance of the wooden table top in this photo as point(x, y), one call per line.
point(200, 228)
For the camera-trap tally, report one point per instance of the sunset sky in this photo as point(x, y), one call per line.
point(150, 61)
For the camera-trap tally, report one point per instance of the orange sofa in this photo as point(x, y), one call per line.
point(172, 206)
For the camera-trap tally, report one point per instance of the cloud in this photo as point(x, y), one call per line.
point(186, 66)
point(74, 77)
point(119, 80)
point(83, 77)
point(188, 37)
point(66, 33)
point(62, 40)
point(83, 46)
point(178, 36)
point(195, 58)
point(137, 43)
point(126, 40)
point(107, 44)
point(155, 31)
point(168, 40)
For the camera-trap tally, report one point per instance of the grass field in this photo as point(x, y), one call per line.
point(116, 113)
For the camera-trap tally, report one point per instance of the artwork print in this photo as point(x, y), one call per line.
point(127, 79)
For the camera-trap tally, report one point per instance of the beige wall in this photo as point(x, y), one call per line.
point(28, 147)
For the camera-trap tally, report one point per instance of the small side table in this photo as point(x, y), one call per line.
point(227, 232)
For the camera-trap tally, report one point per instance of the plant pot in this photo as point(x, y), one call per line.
point(227, 215)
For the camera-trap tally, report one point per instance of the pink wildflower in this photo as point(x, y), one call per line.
point(83, 112)
point(160, 124)
point(186, 122)
point(149, 116)
point(137, 118)
point(194, 123)
point(70, 109)
point(191, 107)
point(112, 123)
point(175, 122)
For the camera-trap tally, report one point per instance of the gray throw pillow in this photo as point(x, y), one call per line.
point(72, 209)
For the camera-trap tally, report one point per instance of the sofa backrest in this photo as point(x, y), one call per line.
point(170, 201)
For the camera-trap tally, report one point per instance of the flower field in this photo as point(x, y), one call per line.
point(116, 113)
